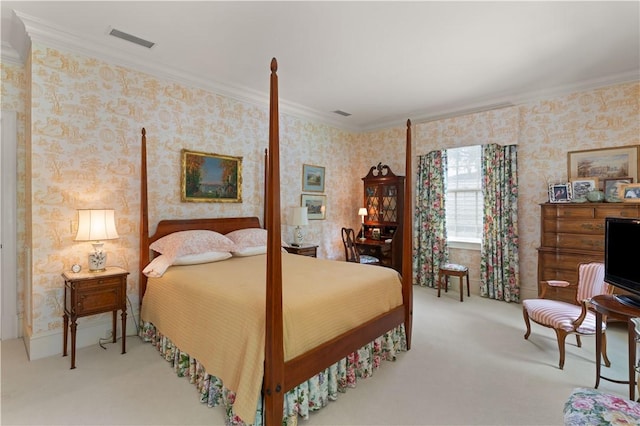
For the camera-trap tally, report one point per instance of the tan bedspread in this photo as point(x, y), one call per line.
point(215, 312)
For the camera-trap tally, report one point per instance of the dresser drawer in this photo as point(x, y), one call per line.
point(568, 211)
point(572, 226)
point(573, 241)
point(617, 210)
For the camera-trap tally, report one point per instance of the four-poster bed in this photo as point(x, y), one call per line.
point(283, 364)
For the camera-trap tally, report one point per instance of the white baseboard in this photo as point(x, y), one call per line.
point(87, 334)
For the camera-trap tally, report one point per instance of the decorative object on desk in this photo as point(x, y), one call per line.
point(581, 187)
point(312, 178)
point(631, 193)
point(211, 178)
point(560, 192)
point(316, 206)
point(96, 226)
point(298, 219)
point(375, 234)
point(362, 212)
point(613, 188)
point(75, 268)
point(595, 196)
point(604, 163)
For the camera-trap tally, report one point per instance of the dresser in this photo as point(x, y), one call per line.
point(571, 234)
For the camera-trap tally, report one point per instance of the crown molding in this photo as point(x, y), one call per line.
point(41, 31)
point(26, 28)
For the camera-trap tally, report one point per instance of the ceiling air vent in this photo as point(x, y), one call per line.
point(342, 113)
point(131, 38)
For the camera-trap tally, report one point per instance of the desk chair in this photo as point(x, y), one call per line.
point(351, 252)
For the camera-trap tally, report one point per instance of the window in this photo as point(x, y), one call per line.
point(463, 200)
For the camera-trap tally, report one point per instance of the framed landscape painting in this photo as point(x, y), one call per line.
point(606, 163)
point(312, 178)
point(210, 178)
point(316, 206)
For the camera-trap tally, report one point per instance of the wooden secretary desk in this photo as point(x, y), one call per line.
point(384, 201)
point(570, 234)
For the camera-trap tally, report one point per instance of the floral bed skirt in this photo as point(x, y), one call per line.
point(309, 396)
point(591, 407)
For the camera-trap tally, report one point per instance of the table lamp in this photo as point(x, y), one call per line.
point(96, 226)
point(299, 218)
point(362, 213)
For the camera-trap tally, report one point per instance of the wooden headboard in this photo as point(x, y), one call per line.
point(222, 225)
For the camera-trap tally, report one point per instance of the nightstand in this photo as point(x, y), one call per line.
point(303, 250)
point(91, 293)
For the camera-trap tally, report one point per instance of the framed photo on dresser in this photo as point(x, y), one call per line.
point(560, 192)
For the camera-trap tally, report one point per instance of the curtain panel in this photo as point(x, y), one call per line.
point(499, 265)
point(431, 248)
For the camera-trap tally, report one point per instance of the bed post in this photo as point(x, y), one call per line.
point(144, 219)
point(273, 386)
point(266, 187)
point(407, 244)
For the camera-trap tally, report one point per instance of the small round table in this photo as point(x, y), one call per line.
point(606, 304)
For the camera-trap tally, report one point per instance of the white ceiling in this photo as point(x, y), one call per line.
point(383, 62)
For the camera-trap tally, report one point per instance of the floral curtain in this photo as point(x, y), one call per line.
point(499, 270)
point(431, 242)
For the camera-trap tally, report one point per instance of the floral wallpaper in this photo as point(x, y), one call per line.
point(79, 147)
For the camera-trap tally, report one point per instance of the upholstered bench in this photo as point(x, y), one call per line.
point(453, 270)
point(592, 407)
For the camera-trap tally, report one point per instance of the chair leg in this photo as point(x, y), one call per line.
point(461, 289)
point(468, 291)
point(439, 281)
point(578, 341)
point(562, 335)
point(525, 314)
point(604, 350)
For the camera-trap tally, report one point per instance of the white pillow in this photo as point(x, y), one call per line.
point(248, 237)
point(194, 259)
point(183, 243)
point(157, 266)
point(249, 251)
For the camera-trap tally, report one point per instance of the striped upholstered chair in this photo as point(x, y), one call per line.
point(567, 318)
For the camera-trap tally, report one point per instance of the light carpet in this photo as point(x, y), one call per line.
point(469, 365)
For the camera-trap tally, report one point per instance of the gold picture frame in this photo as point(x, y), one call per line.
point(604, 163)
point(631, 193)
point(210, 178)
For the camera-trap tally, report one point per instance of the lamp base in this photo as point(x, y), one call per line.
point(97, 261)
point(297, 237)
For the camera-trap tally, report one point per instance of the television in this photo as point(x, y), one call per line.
point(622, 257)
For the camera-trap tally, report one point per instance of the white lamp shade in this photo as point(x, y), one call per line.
point(362, 211)
point(96, 225)
point(299, 216)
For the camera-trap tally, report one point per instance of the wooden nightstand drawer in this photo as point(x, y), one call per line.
point(303, 250)
point(98, 298)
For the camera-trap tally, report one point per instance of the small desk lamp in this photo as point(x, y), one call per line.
point(299, 218)
point(96, 225)
point(362, 213)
